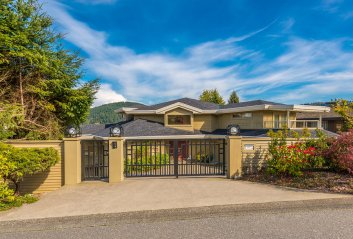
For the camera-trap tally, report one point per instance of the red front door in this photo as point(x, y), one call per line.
point(182, 149)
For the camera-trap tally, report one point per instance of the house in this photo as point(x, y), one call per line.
point(188, 116)
point(331, 120)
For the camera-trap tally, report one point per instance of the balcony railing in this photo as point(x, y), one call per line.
point(293, 124)
point(301, 124)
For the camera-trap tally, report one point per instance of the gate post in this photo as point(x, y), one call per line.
point(116, 159)
point(234, 156)
point(72, 160)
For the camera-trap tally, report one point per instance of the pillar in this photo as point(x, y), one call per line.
point(72, 160)
point(116, 159)
point(234, 156)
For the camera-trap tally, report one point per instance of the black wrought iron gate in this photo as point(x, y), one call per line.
point(95, 159)
point(189, 157)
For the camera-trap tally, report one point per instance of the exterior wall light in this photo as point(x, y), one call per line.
point(116, 131)
point(73, 132)
point(233, 130)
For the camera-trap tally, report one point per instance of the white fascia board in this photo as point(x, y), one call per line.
point(300, 108)
point(311, 108)
point(140, 112)
point(178, 105)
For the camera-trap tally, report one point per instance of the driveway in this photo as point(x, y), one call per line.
point(153, 194)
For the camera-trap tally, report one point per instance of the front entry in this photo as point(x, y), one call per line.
point(95, 159)
point(156, 158)
point(182, 149)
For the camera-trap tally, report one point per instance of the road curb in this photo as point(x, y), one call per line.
point(57, 223)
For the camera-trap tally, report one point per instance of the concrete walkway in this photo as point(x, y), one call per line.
point(153, 194)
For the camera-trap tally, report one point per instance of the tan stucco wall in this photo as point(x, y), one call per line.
point(179, 111)
point(72, 156)
point(116, 160)
point(207, 123)
point(45, 181)
point(234, 156)
point(245, 123)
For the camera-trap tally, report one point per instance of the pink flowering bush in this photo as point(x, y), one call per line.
point(340, 152)
point(289, 160)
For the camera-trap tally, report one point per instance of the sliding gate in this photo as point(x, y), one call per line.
point(190, 157)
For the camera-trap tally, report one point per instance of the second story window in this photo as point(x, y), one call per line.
point(179, 119)
point(242, 115)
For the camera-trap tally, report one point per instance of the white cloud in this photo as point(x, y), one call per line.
point(314, 69)
point(107, 95)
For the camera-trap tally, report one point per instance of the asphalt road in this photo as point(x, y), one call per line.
point(317, 220)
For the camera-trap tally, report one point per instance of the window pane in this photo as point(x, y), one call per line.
point(236, 116)
point(179, 119)
point(247, 115)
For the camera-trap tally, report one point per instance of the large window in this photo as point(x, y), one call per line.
point(179, 119)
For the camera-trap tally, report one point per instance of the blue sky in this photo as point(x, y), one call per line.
point(155, 50)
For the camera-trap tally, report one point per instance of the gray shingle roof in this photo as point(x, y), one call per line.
point(192, 102)
point(249, 103)
point(133, 128)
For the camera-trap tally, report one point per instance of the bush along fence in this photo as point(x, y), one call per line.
point(18, 163)
point(287, 153)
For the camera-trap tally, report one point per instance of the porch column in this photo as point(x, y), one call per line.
point(116, 159)
point(320, 121)
point(234, 156)
point(72, 161)
point(288, 119)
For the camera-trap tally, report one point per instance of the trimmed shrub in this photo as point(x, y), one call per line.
point(6, 194)
point(16, 163)
point(340, 153)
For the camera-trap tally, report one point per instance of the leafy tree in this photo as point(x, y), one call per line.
point(38, 74)
point(16, 163)
point(345, 109)
point(10, 117)
point(212, 96)
point(233, 98)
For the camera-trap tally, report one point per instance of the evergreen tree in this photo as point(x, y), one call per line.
point(38, 74)
point(233, 98)
point(212, 96)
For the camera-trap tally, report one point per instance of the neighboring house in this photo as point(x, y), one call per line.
point(187, 116)
point(331, 120)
